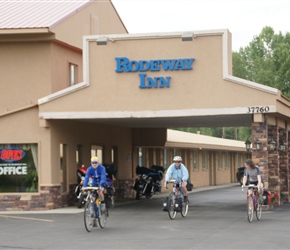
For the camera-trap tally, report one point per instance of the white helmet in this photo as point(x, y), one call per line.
point(177, 158)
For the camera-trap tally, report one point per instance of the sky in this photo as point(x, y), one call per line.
point(245, 19)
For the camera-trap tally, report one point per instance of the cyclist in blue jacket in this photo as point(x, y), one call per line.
point(98, 174)
point(177, 171)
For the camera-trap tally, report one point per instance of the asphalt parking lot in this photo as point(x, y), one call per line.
point(216, 220)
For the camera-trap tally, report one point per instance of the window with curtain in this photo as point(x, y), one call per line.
point(18, 168)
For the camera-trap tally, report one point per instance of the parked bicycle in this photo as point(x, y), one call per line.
point(175, 201)
point(253, 203)
point(92, 212)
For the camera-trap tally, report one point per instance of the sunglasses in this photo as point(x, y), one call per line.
point(94, 162)
point(177, 161)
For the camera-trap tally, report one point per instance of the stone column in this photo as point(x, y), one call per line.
point(274, 163)
point(283, 162)
point(260, 157)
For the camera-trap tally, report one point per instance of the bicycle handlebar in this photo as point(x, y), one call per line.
point(90, 188)
point(249, 186)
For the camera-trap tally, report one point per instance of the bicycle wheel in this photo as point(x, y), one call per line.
point(250, 209)
point(258, 211)
point(103, 218)
point(89, 215)
point(171, 211)
point(184, 209)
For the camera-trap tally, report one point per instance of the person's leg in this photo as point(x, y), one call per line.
point(184, 190)
point(260, 192)
point(101, 194)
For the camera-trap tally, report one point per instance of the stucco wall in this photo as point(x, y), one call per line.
point(25, 74)
point(97, 18)
point(61, 57)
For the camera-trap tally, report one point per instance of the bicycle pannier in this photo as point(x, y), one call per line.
point(189, 185)
point(267, 197)
point(165, 204)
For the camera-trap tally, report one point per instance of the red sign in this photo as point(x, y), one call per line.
point(11, 154)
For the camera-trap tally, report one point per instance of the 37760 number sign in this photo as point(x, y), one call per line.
point(263, 109)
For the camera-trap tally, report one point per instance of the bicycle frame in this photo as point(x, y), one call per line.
point(253, 203)
point(92, 211)
point(174, 206)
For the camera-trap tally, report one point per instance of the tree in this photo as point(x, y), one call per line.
point(265, 60)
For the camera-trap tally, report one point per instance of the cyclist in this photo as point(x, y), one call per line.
point(177, 171)
point(255, 178)
point(98, 174)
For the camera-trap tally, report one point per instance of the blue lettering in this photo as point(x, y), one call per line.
point(168, 64)
point(179, 65)
point(152, 82)
point(133, 68)
point(155, 65)
point(165, 83)
point(125, 65)
point(122, 64)
point(142, 81)
point(144, 65)
point(188, 62)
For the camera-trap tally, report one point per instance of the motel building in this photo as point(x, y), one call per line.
point(75, 84)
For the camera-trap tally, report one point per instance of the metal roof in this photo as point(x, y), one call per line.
point(21, 14)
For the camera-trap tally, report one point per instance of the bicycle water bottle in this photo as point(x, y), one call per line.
point(97, 207)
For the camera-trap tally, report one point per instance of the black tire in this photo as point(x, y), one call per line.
point(80, 201)
point(171, 211)
point(250, 209)
point(89, 215)
point(258, 211)
point(184, 209)
point(103, 218)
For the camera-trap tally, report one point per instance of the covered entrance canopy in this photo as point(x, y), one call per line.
point(173, 80)
point(123, 84)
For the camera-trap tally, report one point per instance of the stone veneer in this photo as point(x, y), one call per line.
point(49, 197)
point(274, 165)
point(125, 190)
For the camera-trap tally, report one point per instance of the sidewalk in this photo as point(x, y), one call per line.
point(75, 210)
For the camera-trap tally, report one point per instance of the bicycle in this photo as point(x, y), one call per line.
point(175, 201)
point(93, 211)
point(253, 203)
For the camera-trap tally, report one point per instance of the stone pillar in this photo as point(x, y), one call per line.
point(274, 166)
point(284, 170)
point(260, 132)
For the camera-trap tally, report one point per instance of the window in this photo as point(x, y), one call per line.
point(63, 167)
point(166, 158)
point(195, 160)
point(18, 168)
point(73, 74)
point(79, 155)
point(227, 159)
point(204, 160)
point(97, 151)
point(220, 165)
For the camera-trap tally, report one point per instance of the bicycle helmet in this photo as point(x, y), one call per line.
point(177, 158)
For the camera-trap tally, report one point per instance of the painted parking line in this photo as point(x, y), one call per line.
point(25, 218)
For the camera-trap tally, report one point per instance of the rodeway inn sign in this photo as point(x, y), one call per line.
point(123, 64)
